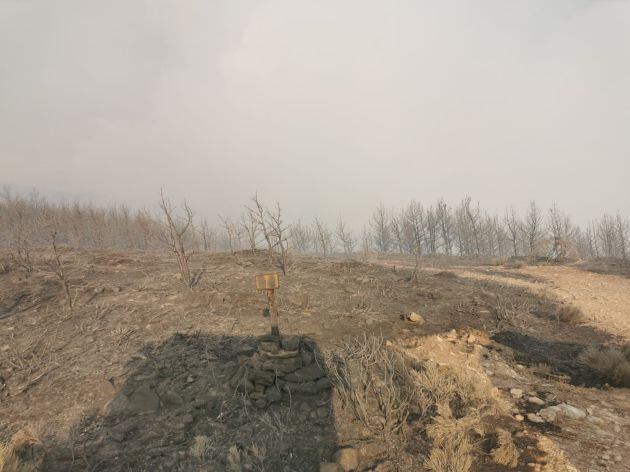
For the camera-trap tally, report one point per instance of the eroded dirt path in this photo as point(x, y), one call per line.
point(604, 299)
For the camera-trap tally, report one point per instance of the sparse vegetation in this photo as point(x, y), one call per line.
point(569, 314)
point(19, 453)
point(611, 362)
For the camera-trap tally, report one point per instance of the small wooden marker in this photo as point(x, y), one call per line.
point(268, 283)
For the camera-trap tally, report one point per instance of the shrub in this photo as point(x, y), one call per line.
point(611, 362)
point(569, 314)
point(19, 454)
point(373, 381)
point(506, 452)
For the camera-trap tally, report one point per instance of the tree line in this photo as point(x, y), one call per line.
point(464, 229)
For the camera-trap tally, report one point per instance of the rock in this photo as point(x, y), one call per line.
point(516, 392)
point(269, 343)
point(282, 354)
point(263, 377)
point(535, 401)
point(519, 417)
point(307, 357)
point(373, 450)
point(172, 398)
point(549, 414)
point(471, 339)
point(329, 467)
point(572, 412)
point(245, 385)
point(305, 374)
point(143, 399)
point(188, 419)
point(190, 379)
point(260, 403)
point(283, 365)
point(273, 395)
point(323, 384)
point(323, 412)
point(415, 317)
point(348, 459)
point(119, 432)
point(290, 343)
point(534, 418)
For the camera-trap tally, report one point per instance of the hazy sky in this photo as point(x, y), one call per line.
point(327, 106)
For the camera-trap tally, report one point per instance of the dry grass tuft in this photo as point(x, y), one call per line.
point(374, 382)
point(611, 362)
point(506, 452)
point(19, 454)
point(569, 314)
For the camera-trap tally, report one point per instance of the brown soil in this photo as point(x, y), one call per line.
point(136, 330)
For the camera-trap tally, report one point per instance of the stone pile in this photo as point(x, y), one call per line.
point(280, 365)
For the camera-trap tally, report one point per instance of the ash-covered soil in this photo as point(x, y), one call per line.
point(137, 333)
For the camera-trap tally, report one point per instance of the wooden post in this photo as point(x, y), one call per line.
point(273, 312)
point(268, 283)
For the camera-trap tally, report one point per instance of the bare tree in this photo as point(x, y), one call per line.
point(513, 226)
point(345, 237)
point(300, 237)
point(562, 232)
point(55, 264)
point(415, 227)
point(279, 231)
point(622, 228)
point(533, 227)
point(249, 225)
point(606, 233)
point(396, 222)
point(445, 220)
point(323, 236)
point(174, 234)
point(432, 231)
point(21, 216)
point(381, 228)
point(208, 236)
point(231, 230)
point(258, 213)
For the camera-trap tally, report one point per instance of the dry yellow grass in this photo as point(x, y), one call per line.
point(506, 452)
point(611, 362)
point(569, 314)
point(17, 455)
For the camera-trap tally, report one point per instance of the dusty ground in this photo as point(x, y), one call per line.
point(134, 328)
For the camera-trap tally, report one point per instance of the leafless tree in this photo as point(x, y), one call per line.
point(56, 264)
point(533, 227)
point(323, 236)
point(396, 222)
point(415, 227)
point(606, 233)
point(562, 232)
point(432, 231)
point(300, 237)
point(622, 228)
point(445, 220)
point(366, 241)
point(473, 218)
point(21, 225)
point(231, 230)
point(174, 234)
point(345, 237)
point(249, 225)
point(279, 230)
point(258, 213)
point(208, 236)
point(513, 227)
point(381, 229)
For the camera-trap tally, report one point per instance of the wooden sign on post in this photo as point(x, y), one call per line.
point(269, 283)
